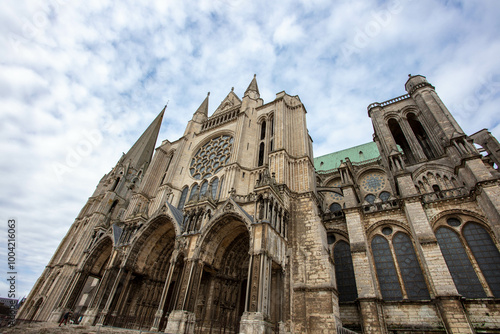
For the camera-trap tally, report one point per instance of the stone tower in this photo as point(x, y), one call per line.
point(236, 228)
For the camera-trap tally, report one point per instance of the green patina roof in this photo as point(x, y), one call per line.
point(358, 153)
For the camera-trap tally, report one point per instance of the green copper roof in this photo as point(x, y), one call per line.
point(358, 153)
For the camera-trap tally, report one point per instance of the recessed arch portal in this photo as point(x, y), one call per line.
point(224, 252)
point(141, 282)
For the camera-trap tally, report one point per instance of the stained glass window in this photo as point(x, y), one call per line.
point(486, 254)
point(458, 263)
point(370, 198)
point(183, 198)
point(346, 282)
point(211, 157)
point(215, 185)
point(373, 182)
point(414, 281)
point(384, 196)
point(386, 271)
point(203, 188)
point(193, 192)
point(335, 207)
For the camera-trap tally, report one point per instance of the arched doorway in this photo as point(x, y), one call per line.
point(84, 295)
point(139, 289)
point(221, 298)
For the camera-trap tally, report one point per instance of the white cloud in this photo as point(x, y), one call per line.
point(69, 68)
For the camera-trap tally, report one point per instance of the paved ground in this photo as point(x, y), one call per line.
point(51, 328)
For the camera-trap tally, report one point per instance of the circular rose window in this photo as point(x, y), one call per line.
point(373, 182)
point(211, 157)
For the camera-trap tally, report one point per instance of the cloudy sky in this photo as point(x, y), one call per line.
point(80, 81)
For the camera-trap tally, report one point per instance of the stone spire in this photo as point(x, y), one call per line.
point(253, 90)
point(142, 151)
point(201, 114)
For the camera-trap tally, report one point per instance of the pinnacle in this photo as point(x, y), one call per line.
point(142, 151)
point(253, 85)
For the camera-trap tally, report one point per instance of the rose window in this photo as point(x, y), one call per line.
point(373, 182)
point(211, 157)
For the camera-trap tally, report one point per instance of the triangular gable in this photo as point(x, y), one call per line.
point(230, 101)
point(231, 205)
point(176, 214)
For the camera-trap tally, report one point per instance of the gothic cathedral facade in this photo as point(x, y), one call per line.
point(235, 227)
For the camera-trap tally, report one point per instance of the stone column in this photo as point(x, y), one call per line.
point(93, 309)
point(447, 297)
point(372, 316)
point(256, 315)
point(183, 319)
point(163, 299)
point(111, 295)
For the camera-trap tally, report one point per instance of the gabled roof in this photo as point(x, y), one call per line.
point(358, 153)
point(230, 101)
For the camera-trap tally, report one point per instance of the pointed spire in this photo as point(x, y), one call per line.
point(201, 113)
point(142, 151)
point(253, 88)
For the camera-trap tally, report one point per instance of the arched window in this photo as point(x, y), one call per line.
point(386, 271)
point(215, 185)
point(412, 284)
point(263, 130)
point(203, 188)
point(261, 154)
point(183, 198)
point(335, 207)
point(458, 263)
point(344, 272)
point(414, 281)
point(421, 135)
point(400, 139)
point(370, 198)
point(193, 191)
point(384, 196)
point(486, 254)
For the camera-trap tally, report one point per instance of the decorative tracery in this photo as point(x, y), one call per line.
point(211, 157)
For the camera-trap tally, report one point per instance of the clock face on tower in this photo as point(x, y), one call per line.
point(211, 157)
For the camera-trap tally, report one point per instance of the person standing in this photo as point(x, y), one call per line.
point(65, 318)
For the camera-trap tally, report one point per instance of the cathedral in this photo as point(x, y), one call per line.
point(237, 228)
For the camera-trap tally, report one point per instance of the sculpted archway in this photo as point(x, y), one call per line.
point(224, 252)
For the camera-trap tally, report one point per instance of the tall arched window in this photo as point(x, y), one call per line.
point(386, 271)
point(421, 135)
point(193, 191)
point(414, 281)
point(261, 154)
point(458, 263)
point(344, 272)
point(263, 130)
point(183, 198)
point(410, 283)
point(203, 188)
point(486, 254)
point(400, 139)
point(215, 185)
